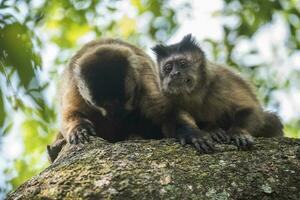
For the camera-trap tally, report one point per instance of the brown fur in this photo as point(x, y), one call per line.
point(110, 88)
point(210, 95)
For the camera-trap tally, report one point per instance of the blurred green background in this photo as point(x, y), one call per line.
point(37, 37)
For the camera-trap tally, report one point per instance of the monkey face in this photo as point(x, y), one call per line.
point(181, 65)
point(179, 74)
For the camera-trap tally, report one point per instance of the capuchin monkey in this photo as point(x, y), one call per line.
point(110, 89)
point(215, 100)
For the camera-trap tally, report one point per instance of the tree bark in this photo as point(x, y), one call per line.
point(162, 169)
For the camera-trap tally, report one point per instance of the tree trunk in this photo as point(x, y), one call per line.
point(162, 169)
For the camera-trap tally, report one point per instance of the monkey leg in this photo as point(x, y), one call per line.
point(245, 123)
point(272, 126)
point(77, 125)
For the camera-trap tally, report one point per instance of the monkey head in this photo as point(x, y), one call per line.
point(181, 66)
point(110, 80)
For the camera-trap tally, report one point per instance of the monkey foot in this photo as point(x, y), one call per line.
point(242, 139)
point(199, 139)
point(220, 136)
point(54, 149)
point(81, 133)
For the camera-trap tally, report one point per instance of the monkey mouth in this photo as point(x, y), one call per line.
point(184, 82)
point(179, 86)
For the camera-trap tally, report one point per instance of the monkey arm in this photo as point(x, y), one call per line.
point(186, 118)
point(76, 125)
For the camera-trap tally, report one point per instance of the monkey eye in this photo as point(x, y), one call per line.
point(183, 64)
point(168, 68)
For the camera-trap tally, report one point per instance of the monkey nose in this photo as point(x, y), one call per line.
point(175, 74)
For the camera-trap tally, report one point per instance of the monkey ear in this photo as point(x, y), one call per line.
point(160, 51)
point(189, 42)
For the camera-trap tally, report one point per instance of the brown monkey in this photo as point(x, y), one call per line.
point(214, 99)
point(109, 89)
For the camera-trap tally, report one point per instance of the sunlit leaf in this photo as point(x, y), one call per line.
point(292, 130)
point(7, 129)
point(2, 109)
point(76, 31)
point(16, 50)
point(138, 4)
point(127, 26)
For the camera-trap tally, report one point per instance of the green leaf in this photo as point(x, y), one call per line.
point(2, 110)
point(16, 51)
point(7, 129)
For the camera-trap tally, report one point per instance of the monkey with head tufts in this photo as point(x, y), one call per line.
point(109, 89)
point(215, 100)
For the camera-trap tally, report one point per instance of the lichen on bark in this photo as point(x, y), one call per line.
point(162, 169)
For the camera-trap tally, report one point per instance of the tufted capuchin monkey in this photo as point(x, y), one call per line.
point(213, 98)
point(110, 89)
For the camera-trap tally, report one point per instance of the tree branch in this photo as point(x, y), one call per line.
point(148, 169)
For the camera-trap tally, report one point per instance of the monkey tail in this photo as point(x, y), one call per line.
point(272, 126)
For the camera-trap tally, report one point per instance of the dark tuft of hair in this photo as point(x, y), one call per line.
point(160, 51)
point(188, 42)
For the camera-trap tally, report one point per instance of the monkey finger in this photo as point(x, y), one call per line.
point(182, 141)
point(197, 146)
point(205, 148)
point(248, 142)
point(86, 137)
point(76, 139)
point(210, 145)
point(223, 135)
point(80, 137)
point(243, 142)
point(237, 141)
point(69, 140)
point(92, 131)
point(72, 139)
point(216, 138)
point(250, 139)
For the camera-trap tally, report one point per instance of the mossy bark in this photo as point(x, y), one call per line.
point(140, 169)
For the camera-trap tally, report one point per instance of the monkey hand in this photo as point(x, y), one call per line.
point(219, 135)
point(81, 133)
point(241, 138)
point(198, 138)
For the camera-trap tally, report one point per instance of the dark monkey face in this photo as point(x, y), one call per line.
point(181, 66)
